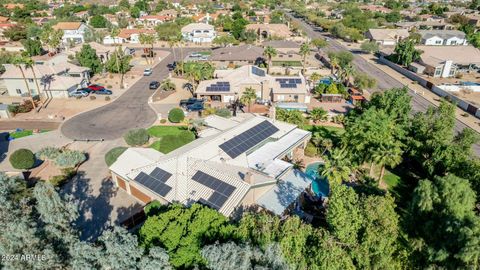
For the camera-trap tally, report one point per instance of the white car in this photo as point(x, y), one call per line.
point(147, 72)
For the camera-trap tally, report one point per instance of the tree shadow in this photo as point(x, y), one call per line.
point(95, 210)
point(4, 145)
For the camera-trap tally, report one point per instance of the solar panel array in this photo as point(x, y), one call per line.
point(248, 139)
point(289, 82)
point(257, 71)
point(222, 190)
point(219, 87)
point(155, 181)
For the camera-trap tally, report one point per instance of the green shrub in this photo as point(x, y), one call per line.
point(311, 150)
point(153, 208)
point(163, 121)
point(223, 112)
point(48, 152)
point(70, 158)
point(112, 155)
point(136, 137)
point(60, 180)
point(176, 115)
point(22, 159)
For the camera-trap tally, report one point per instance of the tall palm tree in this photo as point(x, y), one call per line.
point(20, 62)
point(29, 64)
point(304, 52)
point(388, 156)
point(345, 73)
point(55, 39)
point(318, 115)
point(248, 97)
point(269, 52)
point(315, 77)
point(148, 40)
point(336, 168)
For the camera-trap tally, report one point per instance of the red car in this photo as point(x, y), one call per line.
point(95, 87)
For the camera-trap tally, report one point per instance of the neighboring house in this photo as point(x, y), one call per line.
point(13, 46)
point(55, 76)
point(4, 19)
point(274, 30)
point(128, 36)
point(82, 15)
point(443, 37)
point(448, 61)
point(242, 163)
point(103, 52)
point(230, 84)
point(42, 20)
point(474, 19)
point(72, 31)
point(152, 20)
point(172, 13)
point(425, 25)
point(375, 8)
point(386, 37)
point(234, 56)
point(199, 32)
point(287, 51)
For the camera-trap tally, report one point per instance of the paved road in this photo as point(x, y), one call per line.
point(6, 125)
point(130, 110)
point(384, 81)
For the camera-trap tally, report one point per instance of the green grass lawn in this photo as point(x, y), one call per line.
point(170, 137)
point(23, 133)
point(160, 131)
point(287, 63)
point(391, 180)
point(332, 133)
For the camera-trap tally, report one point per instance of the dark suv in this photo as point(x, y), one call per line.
point(154, 85)
point(190, 101)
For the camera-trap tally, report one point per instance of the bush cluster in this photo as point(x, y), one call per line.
point(176, 115)
point(62, 158)
point(223, 112)
point(136, 137)
point(23, 108)
point(60, 180)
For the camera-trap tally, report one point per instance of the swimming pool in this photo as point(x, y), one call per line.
point(319, 183)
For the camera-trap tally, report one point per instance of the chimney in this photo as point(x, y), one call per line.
point(249, 178)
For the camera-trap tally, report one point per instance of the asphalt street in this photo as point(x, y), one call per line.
point(130, 110)
point(384, 81)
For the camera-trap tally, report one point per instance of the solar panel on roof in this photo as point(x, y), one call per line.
point(298, 80)
point(219, 87)
point(248, 139)
point(222, 190)
point(155, 183)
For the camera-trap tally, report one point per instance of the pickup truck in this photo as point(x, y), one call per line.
point(190, 101)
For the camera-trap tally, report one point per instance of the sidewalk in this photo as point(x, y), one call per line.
point(470, 120)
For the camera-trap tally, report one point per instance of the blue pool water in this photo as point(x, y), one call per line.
point(469, 83)
point(319, 183)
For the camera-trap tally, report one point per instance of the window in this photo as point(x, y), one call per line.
point(438, 71)
point(19, 91)
point(30, 80)
point(438, 42)
point(453, 42)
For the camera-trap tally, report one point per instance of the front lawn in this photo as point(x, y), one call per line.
point(329, 132)
point(23, 133)
point(170, 137)
point(287, 63)
point(160, 131)
point(391, 180)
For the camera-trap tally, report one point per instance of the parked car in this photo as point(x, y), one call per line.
point(147, 72)
point(190, 101)
point(102, 92)
point(154, 85)
point(95, 87)
point(195, 107)
point(172, 66)
point(78, 93)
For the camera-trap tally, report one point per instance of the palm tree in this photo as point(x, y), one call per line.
point(20, 62)
point(168, 85)
point(387, 156)
point(248, 97)
point(336, 168)
point(334, 62)
point(318, 114)
point(269, 52)
point(188, 86)
point(29, 64)
point(55, 39)
point(150, 40)
point(345, 73)
point(304, 52)
point(315, 77)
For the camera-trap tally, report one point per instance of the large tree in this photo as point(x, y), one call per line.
point(119, 63)
point(87, 57)
point(269, 52)
point(405, 52)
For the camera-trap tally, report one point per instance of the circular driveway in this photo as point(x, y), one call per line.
point(130, 110)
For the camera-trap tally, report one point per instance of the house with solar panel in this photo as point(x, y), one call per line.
point(242, 161)
point(229, 84)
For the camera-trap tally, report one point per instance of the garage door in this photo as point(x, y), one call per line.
point(140, 195)
point(121, 183)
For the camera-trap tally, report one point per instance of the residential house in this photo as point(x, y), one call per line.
point(152, 20)
point(239, 164)
point(288, 52)
point(4, 19)
point(103, 52)
point(72, 31)
point(172, 13)
point(386, 37)
point(425, 25)
point(199, 33)
point(54, 75)
point(448, 61)
point(443, 37)
point(12, 46)
point(84, 15)
point(230, 84)
point(128, 36)
point(474, 19)
point(42, 20)
point(375, 8)
point(274, 30)
point(234, 56)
